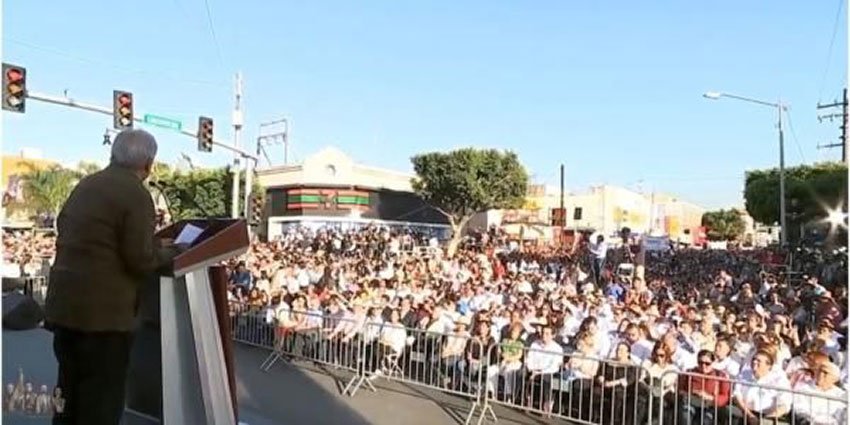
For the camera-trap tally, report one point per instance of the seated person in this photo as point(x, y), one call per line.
point(699, 395)
point(820, 401)
point(759, 394)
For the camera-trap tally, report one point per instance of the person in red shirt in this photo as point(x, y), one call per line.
point(702, 398)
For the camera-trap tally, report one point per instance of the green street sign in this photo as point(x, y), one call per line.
point(163, 122)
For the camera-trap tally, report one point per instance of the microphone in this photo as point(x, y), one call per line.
point(191, 201)
point(159, 186)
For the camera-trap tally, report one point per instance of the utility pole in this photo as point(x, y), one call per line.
point(830, 117)
point(237, 129)
point(782, 210)
point(563, 210)
point(264, 139)
point(274, 136)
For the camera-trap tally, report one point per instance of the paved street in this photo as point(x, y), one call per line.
point(284, 395)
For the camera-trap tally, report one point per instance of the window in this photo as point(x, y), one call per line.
point(577, 213)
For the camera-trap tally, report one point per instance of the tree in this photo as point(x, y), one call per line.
point(463, 182)
point(199, 192)
point(45, 190)
point(810, 191)
point(723, 225)
point(84, 168)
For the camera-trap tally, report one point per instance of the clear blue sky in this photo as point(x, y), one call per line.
point(611, 89)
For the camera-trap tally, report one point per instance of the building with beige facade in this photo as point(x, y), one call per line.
point(329, 188)
point(605, 209)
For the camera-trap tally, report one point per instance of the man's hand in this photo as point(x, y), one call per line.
point(166, 242)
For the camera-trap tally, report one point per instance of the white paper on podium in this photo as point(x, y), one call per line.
point(188, 234)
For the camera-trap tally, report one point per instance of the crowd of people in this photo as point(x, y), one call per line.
point(534, 318)
point(26, 252)
point(20, 397)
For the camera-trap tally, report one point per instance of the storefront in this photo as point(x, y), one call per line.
point(329, 189)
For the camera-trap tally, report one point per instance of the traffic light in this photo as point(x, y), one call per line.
point(205, 134)
point(559, 217)
point(14, 88)
point(256, 209)
point(122, 110)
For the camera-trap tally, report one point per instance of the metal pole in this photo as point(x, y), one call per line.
point(782, 212)
point(249, 176)
point(563, 211)
point(237, 129)
point(286, 143)
point(845, 131)
point(64, 101)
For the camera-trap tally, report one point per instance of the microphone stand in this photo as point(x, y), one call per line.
point(159, 187)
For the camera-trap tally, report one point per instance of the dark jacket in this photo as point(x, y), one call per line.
point(105, 248)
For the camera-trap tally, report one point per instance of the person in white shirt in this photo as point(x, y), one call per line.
point(640, 348)
point(724, 362)
point(760, 395)
point(599, 250)
point(393, 334)
point(820, 402)
point(543, 360)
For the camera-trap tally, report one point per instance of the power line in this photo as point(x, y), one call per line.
point(794, 135)
point(112, 65)
point(212, 32)
point(831, 45)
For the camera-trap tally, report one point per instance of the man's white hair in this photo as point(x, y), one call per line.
point(133, 149)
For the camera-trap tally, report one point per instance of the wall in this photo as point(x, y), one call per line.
point(331, 167)
point(331, 186)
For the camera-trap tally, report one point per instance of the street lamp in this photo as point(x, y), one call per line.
point(780, 108)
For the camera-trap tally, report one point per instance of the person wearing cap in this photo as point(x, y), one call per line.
point(820, 401)
point(453, 351)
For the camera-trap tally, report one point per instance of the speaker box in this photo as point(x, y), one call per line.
point(21, 312)
point(13, 283)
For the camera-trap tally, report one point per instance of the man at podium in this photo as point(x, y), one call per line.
point(104, 250)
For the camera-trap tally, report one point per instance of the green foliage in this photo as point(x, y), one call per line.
point(466, 181)
point(46, 189)
point(723, 225)
point(209, 189)
point(85, 168)
point(810, 189)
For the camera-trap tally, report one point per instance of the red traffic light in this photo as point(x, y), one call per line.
point(122, 110)
point(14, 75)
point(14, 88)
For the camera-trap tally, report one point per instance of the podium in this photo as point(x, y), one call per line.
point(181, 365)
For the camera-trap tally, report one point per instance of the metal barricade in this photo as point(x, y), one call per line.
point(36, 287)
point(318, 338)
point(249, 325)
point(555, 384)
point(703, 400)
point(451, 363)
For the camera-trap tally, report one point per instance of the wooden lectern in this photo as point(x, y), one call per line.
point(181, 368)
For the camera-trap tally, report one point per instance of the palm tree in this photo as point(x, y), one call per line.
point(45, 190)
